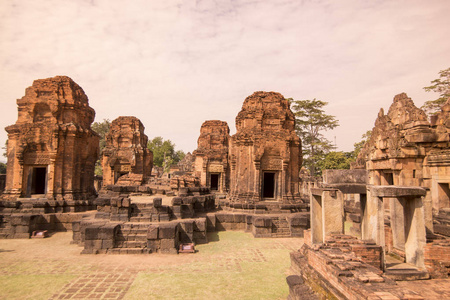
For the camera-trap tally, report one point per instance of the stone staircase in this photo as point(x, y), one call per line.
point(280, 227)
point(131, 239)
point(141, 212)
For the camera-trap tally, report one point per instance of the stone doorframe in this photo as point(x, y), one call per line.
point(327, 213)
point(407, 219)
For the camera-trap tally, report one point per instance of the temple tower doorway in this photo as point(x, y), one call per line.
point(268, 186)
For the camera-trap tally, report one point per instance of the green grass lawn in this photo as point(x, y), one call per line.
point(233, 265)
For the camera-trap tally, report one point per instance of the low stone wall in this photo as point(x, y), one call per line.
point(344, 268)
point(437, 258)
point(262, 208)
point(21, 226)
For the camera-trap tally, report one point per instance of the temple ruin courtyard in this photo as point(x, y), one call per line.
point(233, 265)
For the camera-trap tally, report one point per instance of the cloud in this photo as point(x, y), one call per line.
point(174, 63)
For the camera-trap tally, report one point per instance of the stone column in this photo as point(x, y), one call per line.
point(327, 213)
point(415, 232)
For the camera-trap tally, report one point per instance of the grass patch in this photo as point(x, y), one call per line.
point(229, 269)
point(32, 286)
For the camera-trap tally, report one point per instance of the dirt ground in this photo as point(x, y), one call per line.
point(233, 265)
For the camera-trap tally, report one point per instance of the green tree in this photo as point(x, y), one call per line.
point(336, 160)
point(311, 121)
point(359, 145)
point(440, 85)
point(102, 129)
point(164, 154)
point(5, 149)
point(2, 168)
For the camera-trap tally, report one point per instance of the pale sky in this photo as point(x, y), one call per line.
point(176, 63)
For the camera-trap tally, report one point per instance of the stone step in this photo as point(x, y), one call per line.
point(135, 237)
point(141, 219)
point(141, 231)
point(127, 251)
point(279, 235)
point(133, 244)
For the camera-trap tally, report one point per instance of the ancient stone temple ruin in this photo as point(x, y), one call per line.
point(265, 153)
point(211, 156)
point(126, 160)
point(51, 148)
point(397, 215)
point(406, 149)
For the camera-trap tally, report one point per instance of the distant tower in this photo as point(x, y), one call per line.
point(211, 156)
point(126, 153)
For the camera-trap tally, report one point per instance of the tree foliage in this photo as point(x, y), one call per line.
point(311, 121)
point(2, 168)
point(102, 129)
point(5, 149)
point(440, 85)
point(359, 145)
point(336, 160)
point(164, 154)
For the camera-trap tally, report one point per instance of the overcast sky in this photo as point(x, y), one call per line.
point(176, 63)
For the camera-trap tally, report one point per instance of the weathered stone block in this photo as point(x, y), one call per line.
point(200, 225)
point(225, 218)
point(154, 245)
point(107, 244)
point(239, 218)
point(164, 217)
point(176, 201)
point(188, 200)
point(91, 233)
point(168, 231)
point(262, 221)
point(167, 244)
point(187, 226)
point(211, 222)
point(107, 232)
point(200, 237)
point(157, 202)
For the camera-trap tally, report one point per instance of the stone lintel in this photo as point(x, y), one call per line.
point(318, 191)
point(396, 191)
point(348, 188)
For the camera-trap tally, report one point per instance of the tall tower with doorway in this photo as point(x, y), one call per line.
point(211, 155)
point(265, 153)
point(52, 149)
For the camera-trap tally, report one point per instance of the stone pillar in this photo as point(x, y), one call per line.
point(397, 206)
point(327, 213)
point(415, 232)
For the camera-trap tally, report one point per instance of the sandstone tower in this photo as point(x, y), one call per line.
point(211, 156)
point(126, 160)
point(51, 148)
point(265, 152)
